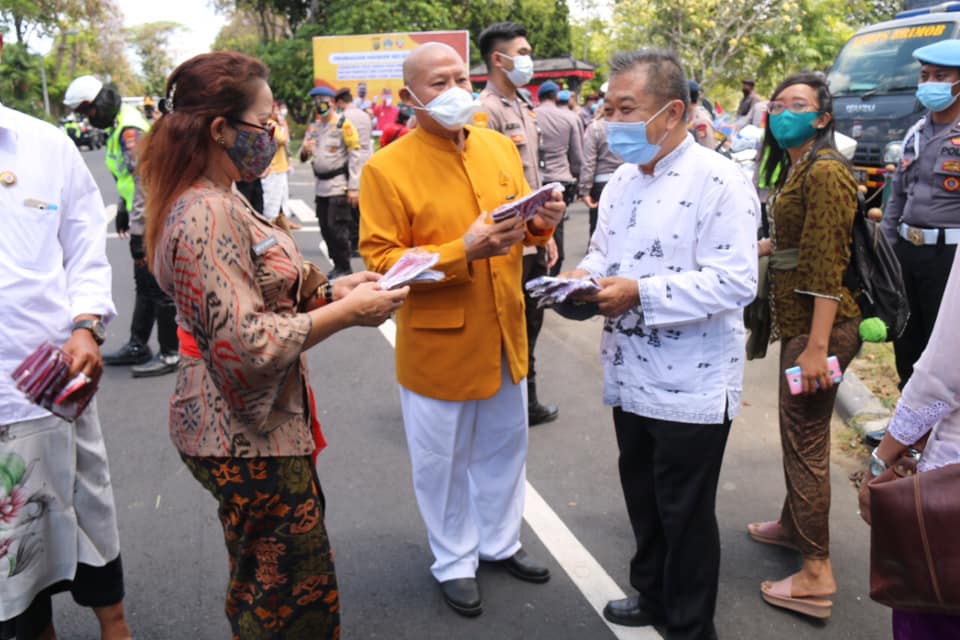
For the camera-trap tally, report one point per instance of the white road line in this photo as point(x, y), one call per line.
point(594, 583)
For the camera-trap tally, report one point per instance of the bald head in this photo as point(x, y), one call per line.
point(429, 56)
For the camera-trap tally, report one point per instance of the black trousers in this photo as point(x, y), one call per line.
point(336, 218)
point(925, 273)
point(669, 473)
point(151, 304)
point(534, 266)
point(595, 192)
point(90, 587)
point(253, 192)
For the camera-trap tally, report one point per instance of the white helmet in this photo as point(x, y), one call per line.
point(604, 86)
point(83, 89)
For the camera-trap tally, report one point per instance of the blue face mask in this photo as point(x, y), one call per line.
point(628, 140)
point(936, 96)
point(791, 130)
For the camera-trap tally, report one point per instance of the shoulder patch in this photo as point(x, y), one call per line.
point(129, 137)
point(350, 136)
point(481, 119)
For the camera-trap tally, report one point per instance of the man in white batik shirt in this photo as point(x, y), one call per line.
point(676, 257)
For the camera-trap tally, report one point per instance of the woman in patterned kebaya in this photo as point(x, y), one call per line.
point(812, 207)
point(242, 414)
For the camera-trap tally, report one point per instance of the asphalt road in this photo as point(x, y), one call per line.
point(173, 552)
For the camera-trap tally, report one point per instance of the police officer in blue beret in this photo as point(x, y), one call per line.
point(922, 218)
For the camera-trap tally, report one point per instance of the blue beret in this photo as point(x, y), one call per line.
point(547, 87)
point(563, 96)
point(321, 91)
point(945, 53)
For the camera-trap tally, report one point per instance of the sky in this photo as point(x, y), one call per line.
point(201, 23)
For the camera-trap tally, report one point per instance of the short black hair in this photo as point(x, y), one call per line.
point(343, 95)
point(665, 76)
point(495, 34)
point(547, 95)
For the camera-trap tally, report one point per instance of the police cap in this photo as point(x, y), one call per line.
point(547, 87)
point(945, 53)
point(563, 96)
point(321, 91)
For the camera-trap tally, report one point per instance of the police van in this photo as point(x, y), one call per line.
point(874, 80)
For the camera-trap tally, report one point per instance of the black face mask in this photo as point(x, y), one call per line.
point(107, 105)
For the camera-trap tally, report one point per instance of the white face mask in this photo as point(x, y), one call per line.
point(451, 109)
point(522, 71)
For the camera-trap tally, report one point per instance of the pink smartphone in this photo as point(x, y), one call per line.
point(795, 377)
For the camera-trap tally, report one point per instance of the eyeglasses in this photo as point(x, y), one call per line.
point(269, 129)
point(798, 106)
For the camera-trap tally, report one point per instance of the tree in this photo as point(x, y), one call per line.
point(151, 41)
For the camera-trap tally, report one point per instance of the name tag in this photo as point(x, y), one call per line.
point(39, 204)
point(264, 245)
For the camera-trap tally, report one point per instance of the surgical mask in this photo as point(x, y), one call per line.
point(283, 114)
point(628, 140)
point(791, 130)
point(522, 71)
point(252, 153)
point(936, 96)
point(387, 100)
point(451, 109)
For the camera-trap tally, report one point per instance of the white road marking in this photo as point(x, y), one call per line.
point(594, 583)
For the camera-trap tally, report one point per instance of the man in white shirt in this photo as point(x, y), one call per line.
point(675, 253)
point(58, 522)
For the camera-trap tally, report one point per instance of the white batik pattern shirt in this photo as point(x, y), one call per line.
point(687, 233)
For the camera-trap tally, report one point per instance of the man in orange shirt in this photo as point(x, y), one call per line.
point(461, 343)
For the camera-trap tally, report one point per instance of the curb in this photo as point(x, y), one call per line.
point(858, 407)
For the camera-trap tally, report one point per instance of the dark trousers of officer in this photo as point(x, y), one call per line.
point(534, 266)
point(669, 473)
point(595, 192)
point(253, 192)
point(151, 304)
point(569, 196)
point(925, 273)
point(335, 218)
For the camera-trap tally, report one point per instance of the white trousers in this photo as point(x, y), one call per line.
point(276, 190)
point(469, 474)
point(59, 505)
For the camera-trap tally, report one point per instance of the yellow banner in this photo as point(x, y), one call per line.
point(374, 60)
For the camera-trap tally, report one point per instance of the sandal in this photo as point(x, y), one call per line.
point(762, 532)
point(779, 593)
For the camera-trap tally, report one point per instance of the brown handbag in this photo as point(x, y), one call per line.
point(914, 546)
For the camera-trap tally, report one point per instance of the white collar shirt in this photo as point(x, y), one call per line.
point(687, 233)
point(53, 263)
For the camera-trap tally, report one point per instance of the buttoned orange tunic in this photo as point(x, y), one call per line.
point(421, 191)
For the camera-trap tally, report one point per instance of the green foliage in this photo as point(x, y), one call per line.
point(291, 73)
point(20, 86)
point(150, 42)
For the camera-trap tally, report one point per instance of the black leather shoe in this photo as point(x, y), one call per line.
point(873, 438)
point(539, 413)
point(159, 366)
point(463, 596)
point(130, 353)
point(522, 567)
point(630, 613)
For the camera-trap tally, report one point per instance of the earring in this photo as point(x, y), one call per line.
point(221, 141)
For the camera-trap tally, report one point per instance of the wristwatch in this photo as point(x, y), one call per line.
point(95, 327)
point(877, 465)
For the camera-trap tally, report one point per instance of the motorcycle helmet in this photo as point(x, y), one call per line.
point(98, 101)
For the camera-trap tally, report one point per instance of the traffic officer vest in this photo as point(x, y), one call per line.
point(128, 117)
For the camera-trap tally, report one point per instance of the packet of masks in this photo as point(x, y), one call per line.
point(549, 291)
point(44, 378)
point(527, 206)
point(413, 266)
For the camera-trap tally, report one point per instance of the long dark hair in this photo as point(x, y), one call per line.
point(772, 155)
point(176, 151)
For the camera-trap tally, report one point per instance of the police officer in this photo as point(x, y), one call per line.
point(922, 218)
point(599, 163)
point(101, 104)
point(332, 141)
point(507, 53)
point(362, 120)
point(562, 142)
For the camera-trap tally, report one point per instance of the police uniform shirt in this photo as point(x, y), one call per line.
point(516, 120)
point(926, 187)
point(562, 142)
point(337, 144)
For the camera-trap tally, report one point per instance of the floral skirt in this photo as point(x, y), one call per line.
point(282, 581)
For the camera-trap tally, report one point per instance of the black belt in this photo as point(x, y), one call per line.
point(327, 175)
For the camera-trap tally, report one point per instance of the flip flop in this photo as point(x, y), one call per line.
point(778, 594)
point(759, 532)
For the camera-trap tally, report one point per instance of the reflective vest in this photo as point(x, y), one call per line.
point(127, 117)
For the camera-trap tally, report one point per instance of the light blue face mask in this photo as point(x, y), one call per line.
point(936, 96)
point(628, 140)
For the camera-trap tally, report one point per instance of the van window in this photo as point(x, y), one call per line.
point(882, 61)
